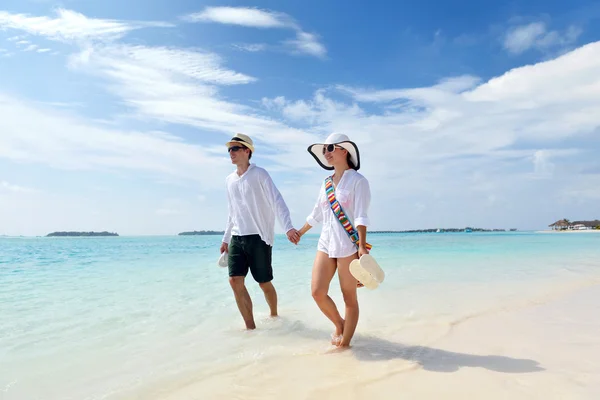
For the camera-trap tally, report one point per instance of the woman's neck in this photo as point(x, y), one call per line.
point(339, 170)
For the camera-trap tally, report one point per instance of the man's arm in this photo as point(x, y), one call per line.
point(228, 227)
point(281, 208)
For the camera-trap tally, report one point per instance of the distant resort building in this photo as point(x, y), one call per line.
point(565, 224)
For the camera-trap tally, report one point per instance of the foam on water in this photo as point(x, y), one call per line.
point(91, 318)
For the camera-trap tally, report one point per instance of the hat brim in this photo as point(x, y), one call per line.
point(316, 150)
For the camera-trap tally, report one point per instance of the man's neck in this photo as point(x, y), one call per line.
point(242, 168)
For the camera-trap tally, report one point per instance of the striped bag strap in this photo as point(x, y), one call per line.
point(337, 209)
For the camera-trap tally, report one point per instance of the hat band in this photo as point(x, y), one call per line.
point(236, 139)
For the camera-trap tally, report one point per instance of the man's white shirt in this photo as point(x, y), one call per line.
point(254, 203)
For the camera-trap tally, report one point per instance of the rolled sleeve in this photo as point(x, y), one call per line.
point(362, 202)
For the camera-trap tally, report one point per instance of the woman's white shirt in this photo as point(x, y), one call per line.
point(354, 195)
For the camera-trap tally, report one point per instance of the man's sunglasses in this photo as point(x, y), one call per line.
point(235, 148)
point(330, 148)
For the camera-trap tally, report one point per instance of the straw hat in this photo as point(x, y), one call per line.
point(316, 150)
point(240, 138)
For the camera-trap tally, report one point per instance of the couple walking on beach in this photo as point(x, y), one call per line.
point(254, 204)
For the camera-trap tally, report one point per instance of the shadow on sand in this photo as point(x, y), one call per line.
point(431, 359)
point(369, 348)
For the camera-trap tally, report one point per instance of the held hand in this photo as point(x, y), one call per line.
point(224, 248)
point(362, 250)
point(293, 236)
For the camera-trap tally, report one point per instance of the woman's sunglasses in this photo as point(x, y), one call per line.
point(330, 148)
point(235, 148)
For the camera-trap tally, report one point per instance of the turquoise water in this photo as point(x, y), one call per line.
point(91, 318)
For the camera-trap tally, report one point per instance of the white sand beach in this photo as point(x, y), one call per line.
point(547, 348)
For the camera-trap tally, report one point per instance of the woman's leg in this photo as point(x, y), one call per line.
point(323, 271)
point(348, 285)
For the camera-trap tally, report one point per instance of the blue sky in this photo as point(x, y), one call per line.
point(113, 116)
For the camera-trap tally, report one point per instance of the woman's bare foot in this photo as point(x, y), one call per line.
point(336, 337)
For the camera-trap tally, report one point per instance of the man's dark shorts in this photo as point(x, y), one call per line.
point(250, 252)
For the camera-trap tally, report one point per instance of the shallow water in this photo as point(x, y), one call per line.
point(92, 318)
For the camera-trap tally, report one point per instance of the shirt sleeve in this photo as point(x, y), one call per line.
point(316, 216)
point(276, 200)
point(229, 226)
point(362, 201)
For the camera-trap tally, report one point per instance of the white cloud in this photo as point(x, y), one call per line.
point(71, 26)
point(63, 141)
point(304, 43)
point(307, 43)
point(180, 87)
point(147, 63)
point(250, 17)
point(251, 47)
point(535, 35)
point(444, 89)
point(11, 188)
point(543, 167)
point(44, 50)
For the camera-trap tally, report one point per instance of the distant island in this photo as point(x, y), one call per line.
point(81, 234)
point(194, 233)
point(441, 230)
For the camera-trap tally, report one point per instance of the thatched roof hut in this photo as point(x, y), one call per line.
point(561, 224)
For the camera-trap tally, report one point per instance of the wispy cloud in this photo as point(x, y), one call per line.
point(12, 188)
point(307, 43)
point(251, 47)
point(71, 26)
point(179, 86)
point(64, 141)
point(304, 43)
point(535, 35)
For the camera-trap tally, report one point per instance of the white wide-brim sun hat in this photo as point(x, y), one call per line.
point(316, 150)
point(367, 271)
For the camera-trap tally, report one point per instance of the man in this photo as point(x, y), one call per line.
point(254, 203)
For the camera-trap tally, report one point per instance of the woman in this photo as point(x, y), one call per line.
point(336, 249)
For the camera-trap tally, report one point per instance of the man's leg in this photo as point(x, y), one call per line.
point(243, 300)
point(260, 256)
point(270, 296)
point(238, 269)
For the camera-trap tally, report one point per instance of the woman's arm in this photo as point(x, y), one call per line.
point(362, 202)
point(362, 240)
point(304, 229)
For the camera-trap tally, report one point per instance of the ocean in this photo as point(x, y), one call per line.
point(155, 318)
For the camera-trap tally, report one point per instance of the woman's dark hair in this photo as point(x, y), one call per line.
point(349, 160)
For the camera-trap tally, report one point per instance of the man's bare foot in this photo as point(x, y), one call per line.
point(250, 325)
